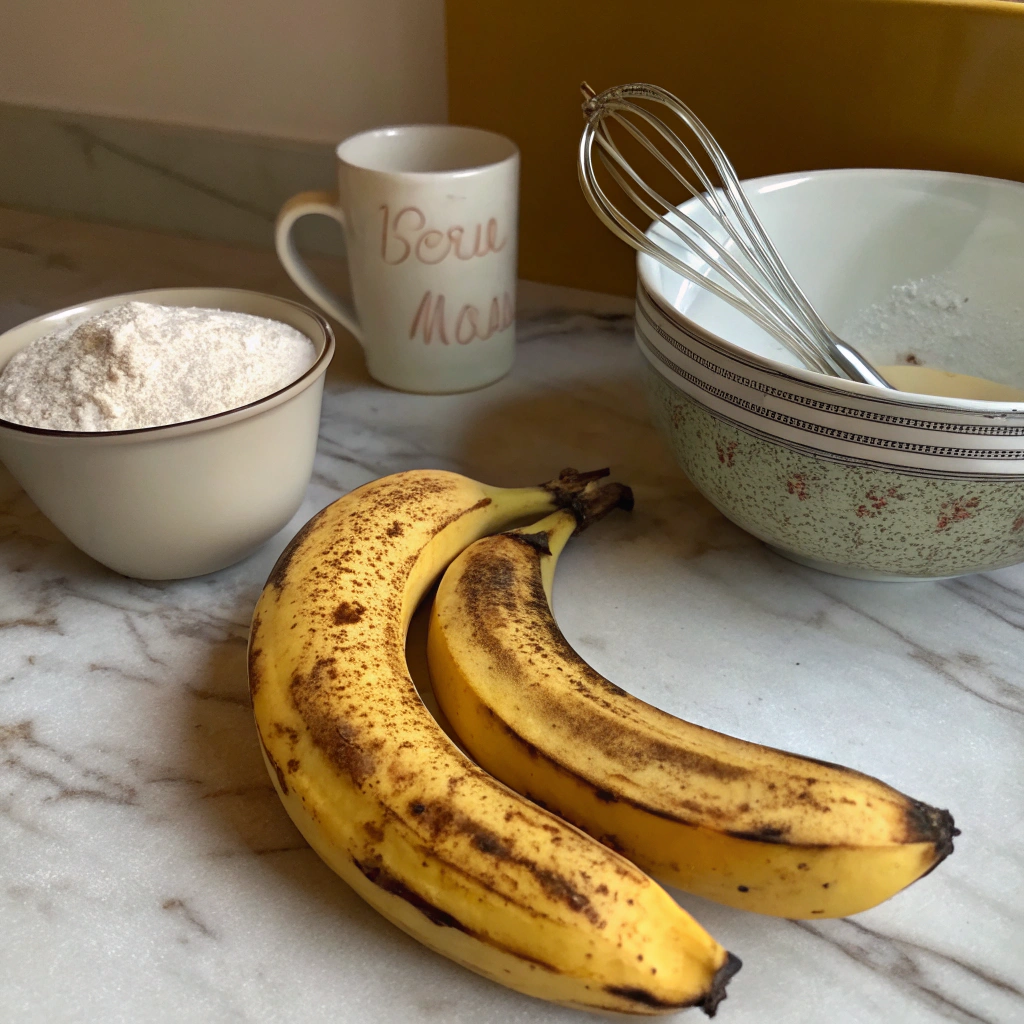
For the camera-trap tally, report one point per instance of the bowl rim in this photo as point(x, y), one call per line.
point(241, 412)
point(824, 382)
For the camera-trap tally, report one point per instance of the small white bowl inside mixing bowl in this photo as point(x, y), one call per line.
point(912, 267)
point(185, 499)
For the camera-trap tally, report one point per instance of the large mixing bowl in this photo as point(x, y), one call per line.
point(846, 477)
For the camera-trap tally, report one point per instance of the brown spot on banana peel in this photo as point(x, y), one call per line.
point(381, 877)
point(601, 794)
point(283, 731)
point(708, 1002)
point(763, 834)
point(339, 740)
point(485, 882)
point(612, 842)
point(443, 524)
point(279, 574)
point(348, 613)
point(281, 780)
point(537, 541)
point(389, 883)
point(441, 820)
point(438, 819)
point(923, 824)
point(252, 658)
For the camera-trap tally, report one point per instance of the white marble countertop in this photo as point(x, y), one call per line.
point(148, 872)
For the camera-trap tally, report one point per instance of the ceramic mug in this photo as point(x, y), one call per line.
point(429, 216)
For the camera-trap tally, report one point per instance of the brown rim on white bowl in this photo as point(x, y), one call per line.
point(185, 426)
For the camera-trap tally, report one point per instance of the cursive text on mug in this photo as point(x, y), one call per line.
point(467, 324)
point(407, 234)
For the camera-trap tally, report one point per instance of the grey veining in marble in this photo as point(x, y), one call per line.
point(208, 184)
point(148, 872)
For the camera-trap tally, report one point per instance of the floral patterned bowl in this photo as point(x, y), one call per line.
point(845, 477)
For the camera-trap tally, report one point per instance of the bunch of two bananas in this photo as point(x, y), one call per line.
point(476, 859)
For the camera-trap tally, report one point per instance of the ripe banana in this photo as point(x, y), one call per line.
point(443, 850)
point(736, 822)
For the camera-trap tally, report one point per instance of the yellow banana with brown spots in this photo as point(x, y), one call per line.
point(450, 855)
point(743, 824)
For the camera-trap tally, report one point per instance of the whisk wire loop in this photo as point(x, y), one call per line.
point(741, 265)
point(765, 258)
point(711, 251)
point(763, 308)
point(765, 314)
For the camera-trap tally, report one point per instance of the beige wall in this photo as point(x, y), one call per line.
point(312, 70)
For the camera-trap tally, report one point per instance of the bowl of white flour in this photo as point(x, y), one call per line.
point(166, 433)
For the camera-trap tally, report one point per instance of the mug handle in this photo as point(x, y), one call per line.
point(325, 203)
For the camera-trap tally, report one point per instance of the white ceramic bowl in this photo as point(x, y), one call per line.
point(846, 477)
point(185, 499)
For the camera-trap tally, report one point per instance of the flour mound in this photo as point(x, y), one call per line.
point(143, 365)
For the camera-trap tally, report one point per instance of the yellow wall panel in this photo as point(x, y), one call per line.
point(785, 85)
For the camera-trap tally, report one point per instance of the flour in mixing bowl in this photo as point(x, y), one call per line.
point(143, 365)
point(940, 322)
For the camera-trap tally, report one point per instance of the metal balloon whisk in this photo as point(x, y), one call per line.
point(738, 264)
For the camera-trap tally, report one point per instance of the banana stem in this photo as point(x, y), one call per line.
point(550, 535)
point(567, 490)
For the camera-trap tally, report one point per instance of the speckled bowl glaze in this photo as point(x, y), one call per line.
point(845, 477)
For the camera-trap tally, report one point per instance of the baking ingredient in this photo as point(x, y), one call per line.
point(927, 380)
point(144, 365)
point(429, 839)
point(736, 822)
point(941, 323)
